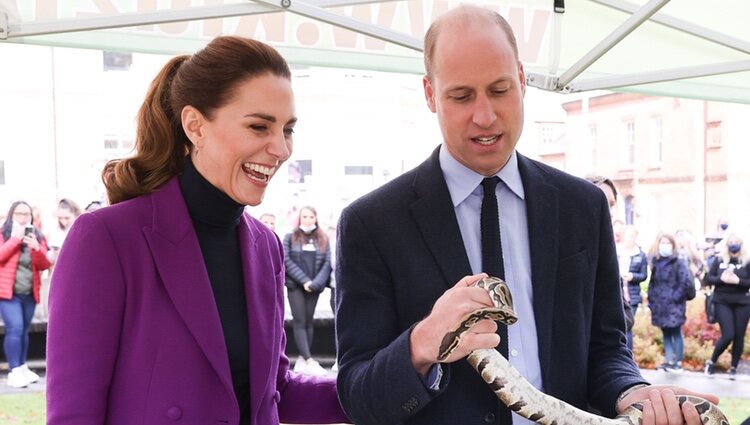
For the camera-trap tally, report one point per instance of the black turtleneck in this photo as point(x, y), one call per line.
point(215, 218)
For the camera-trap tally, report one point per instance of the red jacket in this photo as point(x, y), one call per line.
point(10, 251)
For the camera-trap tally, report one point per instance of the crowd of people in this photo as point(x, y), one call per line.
point(170, 301)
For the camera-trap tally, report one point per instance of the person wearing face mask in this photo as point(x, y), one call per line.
point(22, 260)
point(308, 271)
point(730, 277)
point(667, 298)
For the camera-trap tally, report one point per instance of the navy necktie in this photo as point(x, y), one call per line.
point(492, 262)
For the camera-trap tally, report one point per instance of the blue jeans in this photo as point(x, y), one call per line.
point(17, 313)
point(673, 345)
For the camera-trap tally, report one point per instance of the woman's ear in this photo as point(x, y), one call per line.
point(192, 124)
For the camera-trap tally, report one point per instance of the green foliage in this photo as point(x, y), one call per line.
point(699, 337)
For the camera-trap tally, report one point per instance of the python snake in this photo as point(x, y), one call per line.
point(523, 398)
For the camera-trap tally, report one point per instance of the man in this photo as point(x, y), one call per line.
point(410, 250)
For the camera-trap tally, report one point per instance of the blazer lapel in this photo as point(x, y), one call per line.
point(174, 246)
point(261, 292)
point(542, 212)
point(434, 215)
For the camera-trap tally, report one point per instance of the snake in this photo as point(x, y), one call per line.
point(518, 394)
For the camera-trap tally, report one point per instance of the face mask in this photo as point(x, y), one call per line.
point(307, 228)
point(734, 248)
point(665, 250)
point(724, 226)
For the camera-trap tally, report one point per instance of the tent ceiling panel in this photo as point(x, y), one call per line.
point(549, 43)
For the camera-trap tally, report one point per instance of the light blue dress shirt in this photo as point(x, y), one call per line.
point(465, 190)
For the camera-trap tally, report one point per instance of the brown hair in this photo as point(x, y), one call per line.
point(298, 236)
point(465, 14)
point(602, 181)
point(205, 80)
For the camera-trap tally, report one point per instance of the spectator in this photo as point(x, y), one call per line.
point(607, 186)
point(308, 271)
point(67, 213)
point(667, 298)
point(22, 259)
point(687, 252)
point(93, 206)
point(168, 304)
point(633, 270)
point(269, 220)
point(730, 277)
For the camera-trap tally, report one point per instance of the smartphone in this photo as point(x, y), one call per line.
point(28, 230)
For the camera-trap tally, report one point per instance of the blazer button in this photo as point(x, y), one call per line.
point(277, 397)
point(489, 418)
point(174, 413)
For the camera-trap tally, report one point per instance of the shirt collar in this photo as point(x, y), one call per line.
point(462, 181)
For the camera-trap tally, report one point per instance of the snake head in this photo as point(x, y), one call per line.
point(501, 297)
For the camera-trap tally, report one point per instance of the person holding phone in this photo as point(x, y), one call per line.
point(22, 260)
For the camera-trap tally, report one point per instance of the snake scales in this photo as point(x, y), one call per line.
point(522, 397)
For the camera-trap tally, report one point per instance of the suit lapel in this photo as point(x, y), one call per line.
point(261, 292)
point(434, 214)
point(174, 246)
point(542, 212)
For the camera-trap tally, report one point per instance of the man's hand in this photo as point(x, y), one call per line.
point(446, 314)
point(660, 405)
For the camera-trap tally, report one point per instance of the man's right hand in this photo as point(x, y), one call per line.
point(446, 314)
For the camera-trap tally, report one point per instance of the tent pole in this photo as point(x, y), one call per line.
point(304, 9)
point(639, 17)
point(658, 76)
point(681, 25)
point(90, 23)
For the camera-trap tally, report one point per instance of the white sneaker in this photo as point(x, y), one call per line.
point(300, 365)
point(28, 373)
point(314, 368)
point(17, 379)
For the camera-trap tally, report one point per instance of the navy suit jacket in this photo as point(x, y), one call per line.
point(400, 248)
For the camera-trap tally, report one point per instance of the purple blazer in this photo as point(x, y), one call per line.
point(134, 335)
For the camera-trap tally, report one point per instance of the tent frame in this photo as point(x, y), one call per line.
point(316, 9)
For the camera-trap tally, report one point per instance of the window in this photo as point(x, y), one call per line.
point(117, 61)
point(713, 134)
point(551, 136)
point(629, 209)
point(656, 145)
point(628, 153)
point(110, 142)
point(593, 142)
point(297, 170)
point(358, 170)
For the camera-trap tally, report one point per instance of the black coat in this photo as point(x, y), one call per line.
point(401, 248)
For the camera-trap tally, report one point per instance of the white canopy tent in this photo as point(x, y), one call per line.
point(681, 48)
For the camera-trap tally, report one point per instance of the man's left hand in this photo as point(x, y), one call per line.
point(660, 405)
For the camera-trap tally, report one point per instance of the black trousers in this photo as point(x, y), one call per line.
point(733, 319)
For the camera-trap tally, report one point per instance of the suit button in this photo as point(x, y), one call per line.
point(174, 413)
point(489, 418)
point(277, 397)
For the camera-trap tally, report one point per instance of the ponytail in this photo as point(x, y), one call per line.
point(161, 144)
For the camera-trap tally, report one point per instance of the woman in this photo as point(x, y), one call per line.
point(22, 260)
point(168, 304)
point(67, 213)
point(633, 270)
point(667, 298)
point(731, 280)
point(308, 271)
